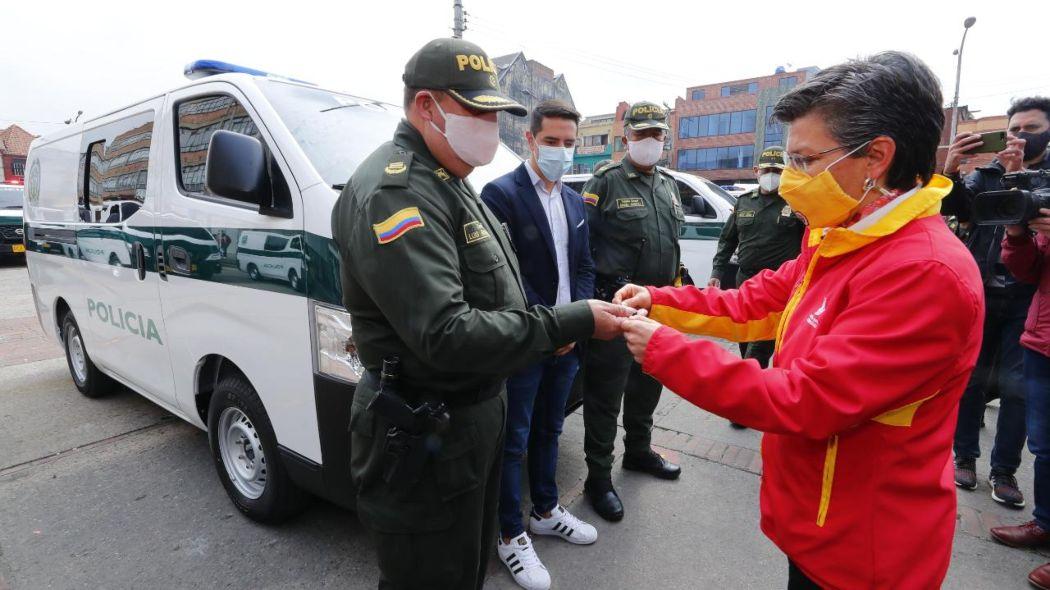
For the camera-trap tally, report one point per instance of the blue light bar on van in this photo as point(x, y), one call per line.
point(203, 68)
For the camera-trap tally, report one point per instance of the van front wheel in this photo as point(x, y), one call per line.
point(89, 380)
point(245, 453)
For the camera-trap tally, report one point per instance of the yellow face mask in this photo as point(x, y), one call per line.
point(818, 200)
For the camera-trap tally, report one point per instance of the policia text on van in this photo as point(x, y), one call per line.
point(181, 246)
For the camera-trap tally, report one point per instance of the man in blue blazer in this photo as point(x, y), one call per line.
point(548, 227)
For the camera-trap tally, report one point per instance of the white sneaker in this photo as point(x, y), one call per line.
point(523, 563)
point(563, 524)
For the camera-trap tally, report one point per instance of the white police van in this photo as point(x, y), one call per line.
point(141, 226)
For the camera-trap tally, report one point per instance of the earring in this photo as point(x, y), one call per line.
point(869, 184)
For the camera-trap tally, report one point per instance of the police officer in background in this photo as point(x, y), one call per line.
point(430, 277)
point(635, 214)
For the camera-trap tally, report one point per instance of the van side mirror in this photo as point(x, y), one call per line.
point(238, 168)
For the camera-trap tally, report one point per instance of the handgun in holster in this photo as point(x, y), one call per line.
point(414, 434)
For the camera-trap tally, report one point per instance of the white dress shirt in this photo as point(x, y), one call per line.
point(554, 208)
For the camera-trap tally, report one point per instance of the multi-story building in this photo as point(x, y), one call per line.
point(594, 144)
point(529, 82)
point(14, 147)
point(720, 129)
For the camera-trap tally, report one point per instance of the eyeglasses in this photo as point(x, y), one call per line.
point(800, 162)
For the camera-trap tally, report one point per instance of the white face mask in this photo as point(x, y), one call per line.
point(769, 181)
point(554, 161)
point(474, 139)
point(645, 152)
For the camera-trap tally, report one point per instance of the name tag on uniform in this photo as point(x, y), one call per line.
point(745, 214)
point(786, 211)
point(475, 232)
point(629, 203)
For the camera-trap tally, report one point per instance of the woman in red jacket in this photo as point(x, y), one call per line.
point(877, 326)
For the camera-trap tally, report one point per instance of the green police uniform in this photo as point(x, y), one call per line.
point(430, 276)
point(765, 233)
point(635, 219)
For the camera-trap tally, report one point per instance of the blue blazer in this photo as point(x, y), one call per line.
point(513, 199)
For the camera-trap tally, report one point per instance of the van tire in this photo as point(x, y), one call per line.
point(88, 379)
point(253, 272)
point(236, 412)
point(294, 280)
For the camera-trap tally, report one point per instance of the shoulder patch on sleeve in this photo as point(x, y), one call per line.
point(398, 225)
point(590, 199)
point(396, 171)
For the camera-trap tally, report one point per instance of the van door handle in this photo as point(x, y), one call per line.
point(138, 256)
point(180, 259)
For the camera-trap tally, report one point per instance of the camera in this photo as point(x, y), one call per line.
point(1016, 206)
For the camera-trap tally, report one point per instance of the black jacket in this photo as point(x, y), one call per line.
point(985, 241)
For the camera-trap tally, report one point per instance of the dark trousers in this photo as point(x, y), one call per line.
point(798, 580)
point(612, 379)
point(440, 532)
point(999, 359)
point(1037, 380)
point(761, 350)
point(535, 412)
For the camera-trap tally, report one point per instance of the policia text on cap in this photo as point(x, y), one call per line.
point(431, 277)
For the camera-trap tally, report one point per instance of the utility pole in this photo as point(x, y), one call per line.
point(458, 25)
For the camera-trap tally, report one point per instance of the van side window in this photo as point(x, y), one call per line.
point(116, 170)
point(688, 201)
point(198, 119)
point(275, 243)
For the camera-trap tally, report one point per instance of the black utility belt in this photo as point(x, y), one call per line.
point(454, 399)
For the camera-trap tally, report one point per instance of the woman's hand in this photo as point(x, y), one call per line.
point(637, 331)
point(634, 296)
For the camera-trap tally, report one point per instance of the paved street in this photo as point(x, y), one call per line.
point(116, 493)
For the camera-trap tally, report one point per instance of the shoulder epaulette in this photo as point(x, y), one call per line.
point(396, 172)
point(604, 169)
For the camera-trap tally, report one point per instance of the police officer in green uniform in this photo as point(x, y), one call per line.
point(635, 214)
point(764, 233)
point(430, 278)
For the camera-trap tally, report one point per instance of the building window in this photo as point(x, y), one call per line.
point(697, 95)
point(774, 130)
point(618, 144)
point(735, 89)
point(788, 82)
point(18, 167)
point(732, 157)
point(717, 124)
point(591, 140)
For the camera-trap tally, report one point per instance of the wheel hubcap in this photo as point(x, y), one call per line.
point(241, 452)
point(78, 360)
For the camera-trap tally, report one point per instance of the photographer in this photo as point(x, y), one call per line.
point(1006, 302)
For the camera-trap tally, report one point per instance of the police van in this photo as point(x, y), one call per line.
point(181, 246)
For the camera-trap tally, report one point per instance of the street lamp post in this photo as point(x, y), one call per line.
point(958, 74)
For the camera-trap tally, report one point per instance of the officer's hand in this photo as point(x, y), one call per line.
point(564, 350)
point(637, 331)
point(1039, 224)
point(634, 296)
point(714, 283)
point(607, 318)
point(1012, 158)
point(960, 148)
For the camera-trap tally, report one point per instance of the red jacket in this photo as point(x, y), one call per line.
point(1026, 258)
point(878, 328)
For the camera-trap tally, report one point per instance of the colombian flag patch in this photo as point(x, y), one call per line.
point(590, 199)
point(398, 225)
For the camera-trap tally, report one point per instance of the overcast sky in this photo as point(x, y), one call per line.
point(100, 55)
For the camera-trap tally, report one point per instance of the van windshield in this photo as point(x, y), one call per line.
point(336, 131)
point(11, 197)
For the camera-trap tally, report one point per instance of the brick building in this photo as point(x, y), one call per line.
point(529, 82)
point(14, 147)
point(721, 128)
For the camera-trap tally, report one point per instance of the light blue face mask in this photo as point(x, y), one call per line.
point(554, 161)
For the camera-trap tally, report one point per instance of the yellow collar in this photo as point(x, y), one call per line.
point(924, 202)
